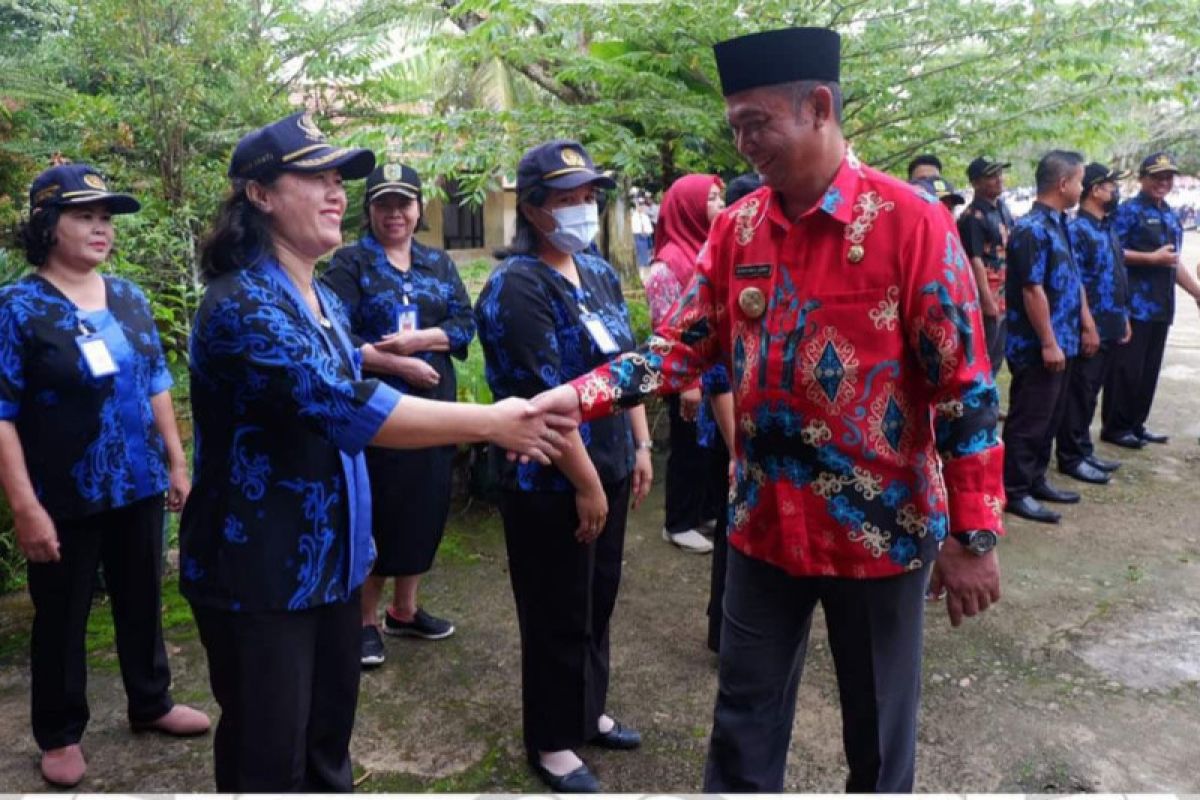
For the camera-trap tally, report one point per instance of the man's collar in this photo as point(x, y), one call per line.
point(1085, 214)
point(839, 197)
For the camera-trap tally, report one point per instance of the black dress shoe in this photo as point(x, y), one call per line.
point(1031, 509)
point(1044, 491)
point(1150, 437)
point(1126, 440)
point(619, 738)
point(1083, 471)
point(577, 781)
point(1104, 464)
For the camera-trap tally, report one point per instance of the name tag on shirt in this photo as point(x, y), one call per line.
point(600, 335)
point(407, 319)
point(95, 353)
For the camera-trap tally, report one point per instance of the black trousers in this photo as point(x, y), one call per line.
point(876, 629)
point(565, 593)
point(994, 332)
point(287, 684)
point(1074, 440)
point(687, 484)
point(719, 477)
point(1133, 378)
point(128, 542)
point(1037, 403)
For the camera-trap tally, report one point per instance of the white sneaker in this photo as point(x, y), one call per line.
point(690, 540)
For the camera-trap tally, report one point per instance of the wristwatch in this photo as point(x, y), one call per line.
point(646, 445)
point(979, 542)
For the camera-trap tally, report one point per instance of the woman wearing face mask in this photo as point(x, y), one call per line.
point(397, 288)
point(692, 502)
point(547, 314)
point(276, 536)
point(88, 450)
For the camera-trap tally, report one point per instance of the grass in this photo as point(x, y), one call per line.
point(494, 769)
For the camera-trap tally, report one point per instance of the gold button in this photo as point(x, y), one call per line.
point(753, 302)
point(856, 254)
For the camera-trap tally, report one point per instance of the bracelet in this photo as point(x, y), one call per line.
point(646, 445)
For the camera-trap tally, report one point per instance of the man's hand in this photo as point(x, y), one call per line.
point(1165, 256)
point(971, 582)
point(561, 400)
point(689, 403)
point(526, 431)
point(1053, 357)
point(1089, 342)
point(36, 535)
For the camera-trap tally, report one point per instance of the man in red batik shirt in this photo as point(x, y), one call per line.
point(843, 304)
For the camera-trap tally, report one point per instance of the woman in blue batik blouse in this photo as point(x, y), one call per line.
point(88, 449)
point(276, 536)
point(549, 313)
point(394, 287)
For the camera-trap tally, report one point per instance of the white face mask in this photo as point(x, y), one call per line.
point(576, 227)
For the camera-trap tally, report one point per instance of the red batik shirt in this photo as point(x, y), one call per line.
point(866, 411)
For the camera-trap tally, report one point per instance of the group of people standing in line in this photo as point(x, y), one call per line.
point(812, 331)
point(1078, 306)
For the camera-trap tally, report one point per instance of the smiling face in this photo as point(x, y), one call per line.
point(394, 219)
point(83, 236)
point(304, 209)
point(716, 202)
point(1158, 186)
point(771, 132)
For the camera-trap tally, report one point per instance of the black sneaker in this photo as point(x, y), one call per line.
point(372, 647)
point(423, 626)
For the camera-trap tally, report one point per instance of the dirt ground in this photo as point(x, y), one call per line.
point(1085, 678)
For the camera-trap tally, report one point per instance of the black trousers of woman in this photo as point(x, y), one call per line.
point(686, 473)
point(565, 593)
point(287, 684)
point(128, 542)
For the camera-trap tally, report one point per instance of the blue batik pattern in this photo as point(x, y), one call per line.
point(1102, 270)
point(1145, 226)
point(1040, 252)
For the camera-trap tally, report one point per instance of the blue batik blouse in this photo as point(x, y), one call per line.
point(90, 444)
point(279, 517)
point(1039, 252)
point(533, 337)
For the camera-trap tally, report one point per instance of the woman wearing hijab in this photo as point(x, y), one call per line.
point(688, 208)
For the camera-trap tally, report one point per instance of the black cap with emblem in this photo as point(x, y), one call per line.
point(76, 185)
point(559, 164)
point(1157, 164)
point(295, 144)
point(398, 179)
point(770, 58)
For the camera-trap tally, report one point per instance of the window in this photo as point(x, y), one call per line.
point(462, 223)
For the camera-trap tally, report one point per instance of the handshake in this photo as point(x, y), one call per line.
point(536, 429)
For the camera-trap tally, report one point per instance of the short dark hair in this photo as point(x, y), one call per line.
point(36, 235)
point(239, 236)
point(524, 238)
point(1054, 166)
point(924, 160)
point(800, 91)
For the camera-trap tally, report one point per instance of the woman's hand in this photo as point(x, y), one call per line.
point(689, 404)
point(404, 343)
point(592, 506)
point(179, 488)
point(36, 535)
point(523, 429)
point(643, 476)
point(416, 373)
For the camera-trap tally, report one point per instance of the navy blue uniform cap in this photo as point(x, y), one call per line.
point(295, 144)
point(559, 164)
point(985, 165)
point(398, 179)
point(1095, 173)
point(1158, 163)
point(780, 56)
point(76, 185)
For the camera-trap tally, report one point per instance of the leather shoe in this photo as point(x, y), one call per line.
point(1083, 471)
point(578, 781)
point(1103, 463)
point(181, 720)
point(619, 738)
point(64, 766)
point(1126, 440)
point(1042, 490)
point(1031, 509)
point(1150, 437)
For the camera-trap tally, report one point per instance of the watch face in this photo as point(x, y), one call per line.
point(983, 541)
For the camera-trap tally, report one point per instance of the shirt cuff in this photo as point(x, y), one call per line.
point(976, 492)
point(161, 382)
point(597, 396)
point(9, 410)
point(354, 437)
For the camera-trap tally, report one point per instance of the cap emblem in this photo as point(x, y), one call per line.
point(392, 172)
point(309, 128)
point(95, 181)
point(571, 157)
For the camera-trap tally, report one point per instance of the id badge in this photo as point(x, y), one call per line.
point(407, 319)
point(95, 352)
point(600, 335)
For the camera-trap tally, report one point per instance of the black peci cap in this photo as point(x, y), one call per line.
point(983, 166)
point(780, 56)
point(1158, 163)
point(77, 185)
point(398, 179)
point(295, 144)
point(559, 164)
point(1095, 173)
